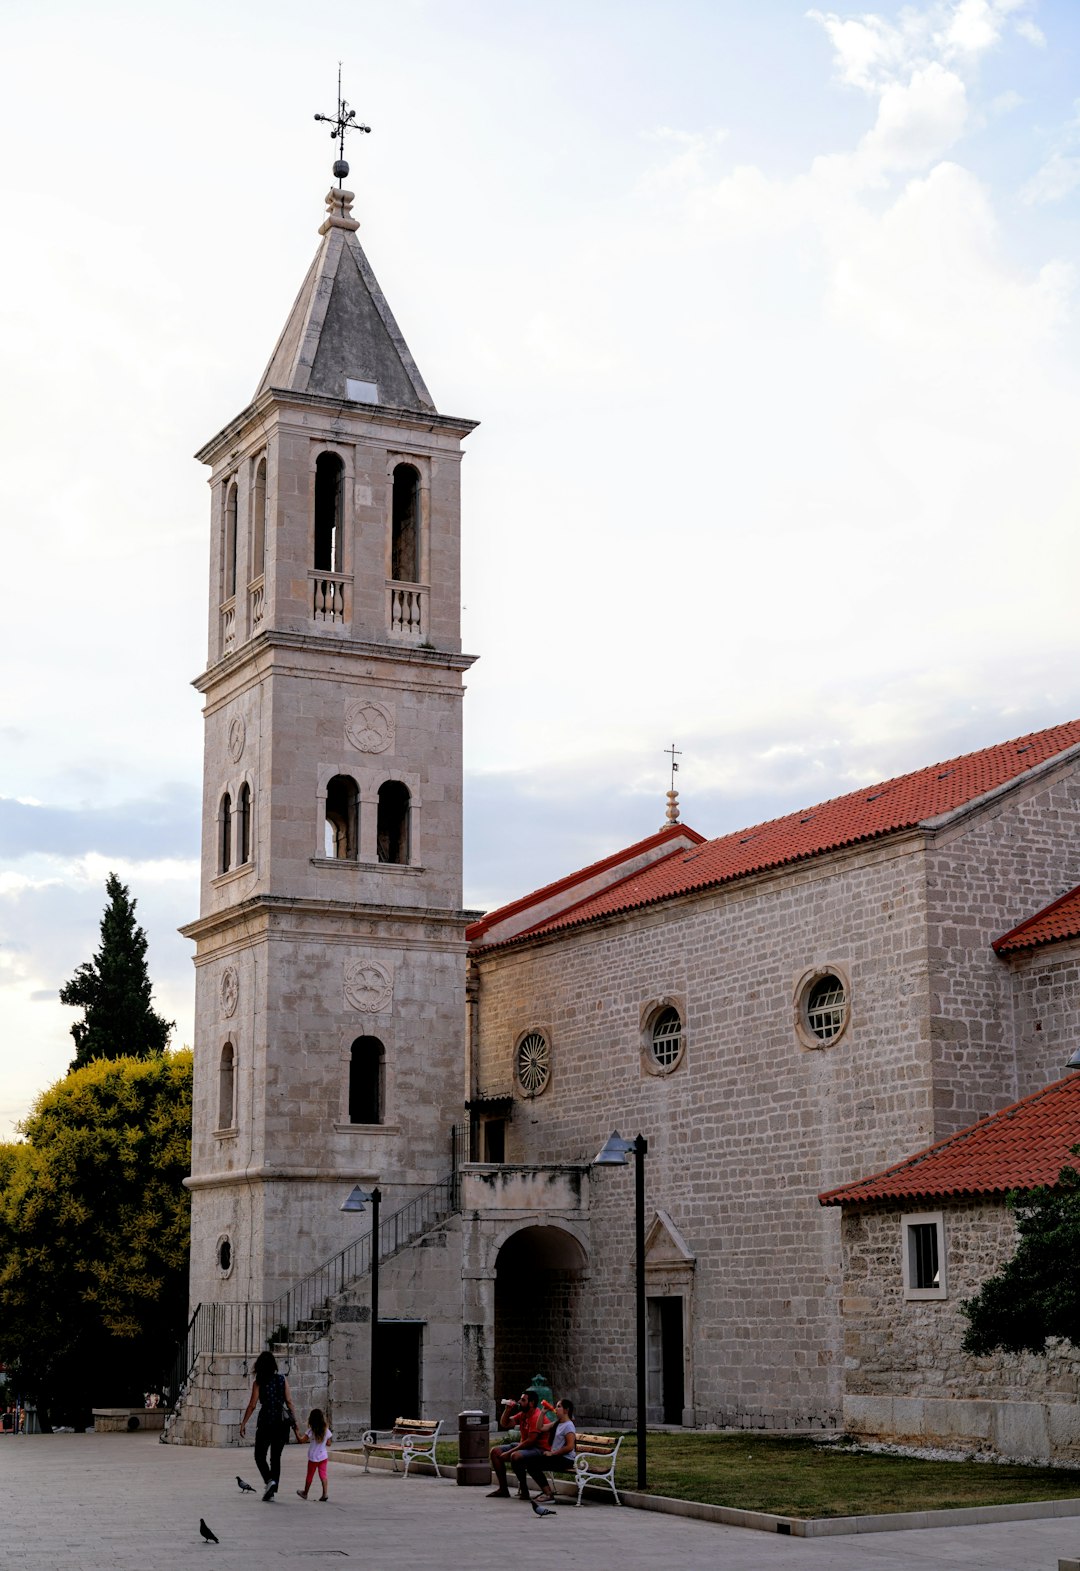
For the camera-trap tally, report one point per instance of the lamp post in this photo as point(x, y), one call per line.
point(358, 1201)
point(614, 1154)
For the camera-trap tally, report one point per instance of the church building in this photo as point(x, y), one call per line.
point(779, 1012)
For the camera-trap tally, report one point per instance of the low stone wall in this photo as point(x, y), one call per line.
point(111, 1420)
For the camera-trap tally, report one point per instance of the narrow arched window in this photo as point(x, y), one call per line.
point(230, 542)
point(329, 502)
point(225, 834)
point(392, 828)
point(258, 522)
point(226, 1087)
point(342, 818)
point(366, 1081)
point(243, 824)
point(405, 541)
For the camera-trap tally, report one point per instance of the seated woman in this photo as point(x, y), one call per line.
point(558, 1458)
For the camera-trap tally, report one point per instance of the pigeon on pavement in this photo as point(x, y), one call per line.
point(246, 1489)
point(211, 1538)
point(542, 1510)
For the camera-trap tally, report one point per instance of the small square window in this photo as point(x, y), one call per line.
point(923, 1247)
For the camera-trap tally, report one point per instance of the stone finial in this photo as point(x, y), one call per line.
point(338, 211)
point(672, 814)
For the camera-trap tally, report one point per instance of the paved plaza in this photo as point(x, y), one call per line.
point(126, 1502)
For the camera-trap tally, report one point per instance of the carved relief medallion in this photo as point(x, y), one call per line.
point(369, 986)
point(237, 738)
point(230, 991)
point(370, 726)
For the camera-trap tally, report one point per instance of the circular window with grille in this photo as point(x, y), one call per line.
point(822, 1008)
point(663, 1036)
point(532, 1063)
point(666, 1038)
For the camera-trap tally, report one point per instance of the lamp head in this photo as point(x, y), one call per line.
point(1074, 1061)
point(614, 1152)
point(357, 1200)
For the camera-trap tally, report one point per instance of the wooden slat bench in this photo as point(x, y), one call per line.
point(411, 1439)
point(595, 1464)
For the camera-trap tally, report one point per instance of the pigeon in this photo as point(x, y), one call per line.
point(211, 1538)
point(245, 1489)
point(542, 1510)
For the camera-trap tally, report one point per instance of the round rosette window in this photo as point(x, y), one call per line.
point(532, 1063)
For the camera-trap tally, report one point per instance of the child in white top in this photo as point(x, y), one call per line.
point(318, 1435)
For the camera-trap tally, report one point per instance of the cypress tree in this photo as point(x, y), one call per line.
point(113, 990)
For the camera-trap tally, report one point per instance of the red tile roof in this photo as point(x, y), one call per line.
point(863, 815)
point(1023, 1145)
point(595, 869)
point(1060, 919)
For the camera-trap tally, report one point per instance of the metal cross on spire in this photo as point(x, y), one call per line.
point(344, 120)
point(672, 814)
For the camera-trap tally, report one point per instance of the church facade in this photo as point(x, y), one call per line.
point(778, 1012)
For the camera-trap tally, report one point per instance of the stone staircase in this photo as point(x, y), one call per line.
point(213, 1367)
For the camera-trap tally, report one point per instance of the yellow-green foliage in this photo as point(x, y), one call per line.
point(94, 1224)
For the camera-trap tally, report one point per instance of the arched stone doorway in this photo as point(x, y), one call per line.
point(539, 1272)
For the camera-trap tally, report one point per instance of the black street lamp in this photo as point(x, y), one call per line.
point(614, 1154)
point(358, 1201)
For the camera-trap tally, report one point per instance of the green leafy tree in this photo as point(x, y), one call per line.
point(94, 1222)
point(1036, 1294)
point(113, 990)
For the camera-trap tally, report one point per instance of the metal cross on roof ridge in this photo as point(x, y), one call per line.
point(344, 120)
point(676, 752)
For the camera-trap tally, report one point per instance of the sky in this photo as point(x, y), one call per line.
point(768, 314)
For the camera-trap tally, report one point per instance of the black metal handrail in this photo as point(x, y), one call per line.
point(249, 1326)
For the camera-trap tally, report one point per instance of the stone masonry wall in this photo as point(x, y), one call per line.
point(748, 1128)
point(1046, 992)
point(906, 1375)
point(985, 875)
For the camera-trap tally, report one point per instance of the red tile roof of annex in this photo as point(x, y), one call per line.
point(1022, 1146)
point(1060, 919)
point(862, 815)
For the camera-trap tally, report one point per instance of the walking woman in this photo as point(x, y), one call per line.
point(270, 1391)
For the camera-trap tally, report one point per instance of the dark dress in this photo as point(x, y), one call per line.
point(272, 1428)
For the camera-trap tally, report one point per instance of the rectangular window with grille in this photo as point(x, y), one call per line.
point(923, 1243)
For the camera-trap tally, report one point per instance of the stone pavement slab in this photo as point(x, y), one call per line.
point(118, 1502)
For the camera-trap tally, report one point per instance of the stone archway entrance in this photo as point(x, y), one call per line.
point(539, 1273)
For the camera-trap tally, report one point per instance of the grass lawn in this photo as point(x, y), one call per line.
point(797, 1477)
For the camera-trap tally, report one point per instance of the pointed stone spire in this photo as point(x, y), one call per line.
point(341, 340)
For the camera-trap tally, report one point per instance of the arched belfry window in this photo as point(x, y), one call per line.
point(392, 828)
point(243, 824)
point(329, 512)
point(405, 540)
point(367, 1062)
point(230, 542)
point(225, 834)
point(342, 818)
point(258, 522)
point(227, 1088)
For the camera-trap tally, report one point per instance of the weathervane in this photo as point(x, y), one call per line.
point(344, 120)
point(672, 814)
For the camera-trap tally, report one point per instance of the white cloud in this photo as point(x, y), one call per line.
point(917, 121)
point(873, 54)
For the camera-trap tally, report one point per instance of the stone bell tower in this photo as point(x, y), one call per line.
point(330, 952)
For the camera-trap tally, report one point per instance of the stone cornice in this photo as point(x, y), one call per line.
point(320, 644)
point(259, 909)
point(405, 419)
